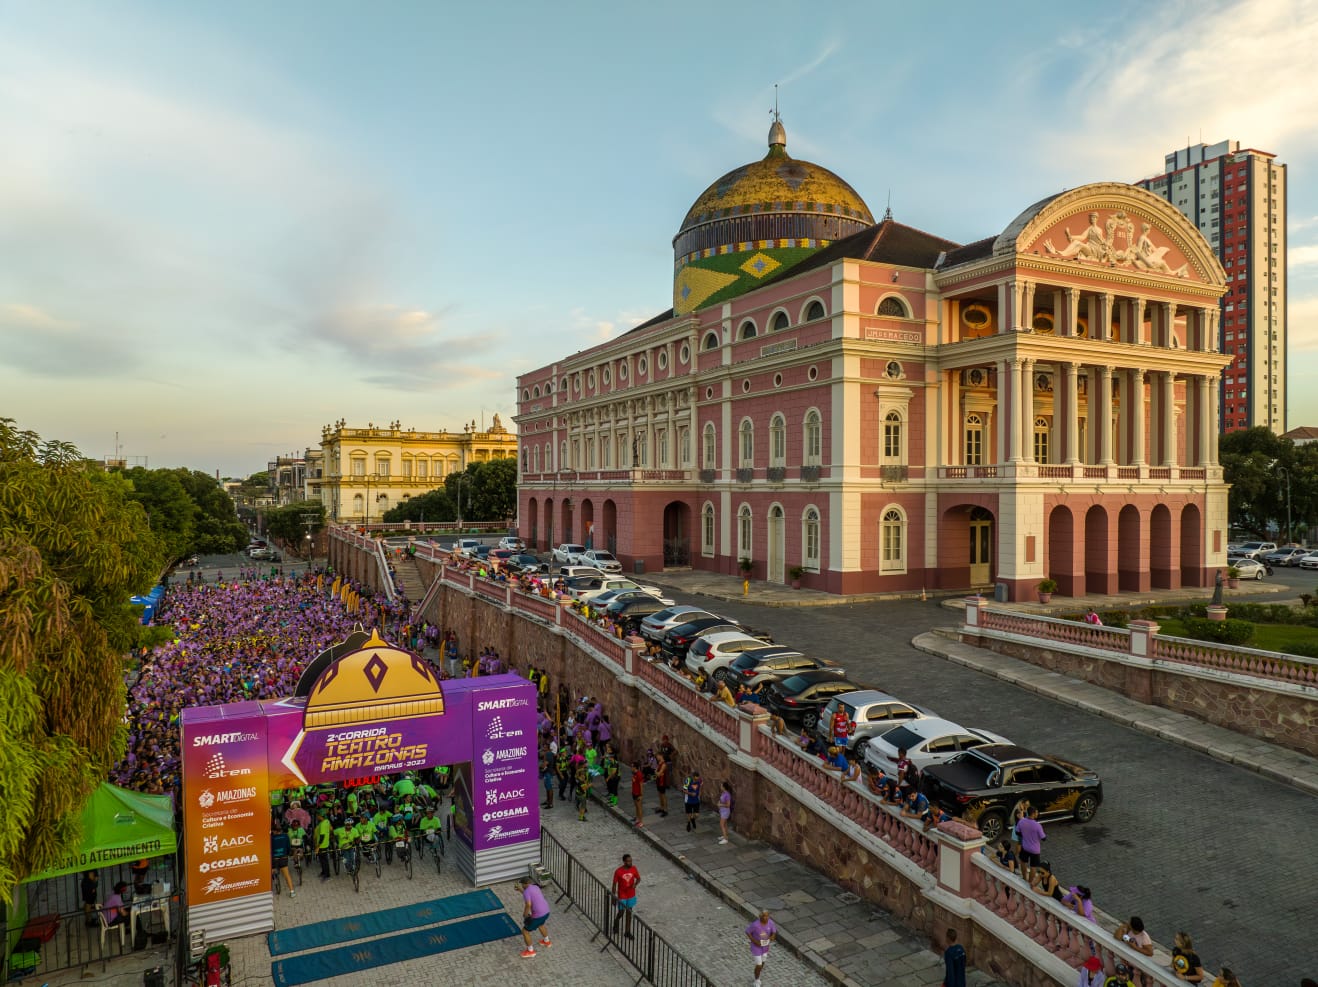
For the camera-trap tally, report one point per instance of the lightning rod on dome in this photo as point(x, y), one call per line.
point(887, 213)
point(776, 117)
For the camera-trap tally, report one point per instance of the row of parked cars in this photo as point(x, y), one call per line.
point(974, 773)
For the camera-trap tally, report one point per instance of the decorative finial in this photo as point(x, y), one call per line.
point(887, 213)
point(777, 132)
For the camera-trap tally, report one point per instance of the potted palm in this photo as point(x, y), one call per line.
point(1046, 588)
point(745, 566)
point(1232, 577)
point(796, 572)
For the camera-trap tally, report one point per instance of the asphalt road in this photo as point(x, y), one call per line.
point(1183, 841)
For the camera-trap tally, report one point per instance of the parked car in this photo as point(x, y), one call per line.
point(1252, 549)
point(600, 559)
point(800, 698)
point(927, 741)
point(500, 555)
point(512, 544)
point(528, 563)
point(632, 610)
point(714, 652)
point(1310, 561)
point(586, 588)
point(1282, 555)
point(869, 713)
point(572, 571)
point(771, 664)
point(986, 784)
point(677, 640)
point(569, 554)
point(656, 625)
point(1250, 569)
point(466, 546)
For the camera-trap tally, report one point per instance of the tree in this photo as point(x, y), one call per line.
point(489, 490)
point(169, 509)
point(74, 546)
point(1253, 462)
point(217, 529)
point(289, 524)
point(433, 505)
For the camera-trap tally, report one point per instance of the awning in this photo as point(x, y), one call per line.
point(117, 826)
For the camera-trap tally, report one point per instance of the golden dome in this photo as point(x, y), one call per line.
point(776, 197)
point(376, 682)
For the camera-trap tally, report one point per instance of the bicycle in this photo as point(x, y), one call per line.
point(352, 863)
point(371, 853)
point(403, 851)
point(432, 841)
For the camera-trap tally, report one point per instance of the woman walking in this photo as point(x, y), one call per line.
point(724, 811)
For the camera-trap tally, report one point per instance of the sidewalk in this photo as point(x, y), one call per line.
point(1269, 760)
point(847, 940)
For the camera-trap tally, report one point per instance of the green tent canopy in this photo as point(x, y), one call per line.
point(119, 825)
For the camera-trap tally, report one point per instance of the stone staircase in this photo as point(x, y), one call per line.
point(409, 577)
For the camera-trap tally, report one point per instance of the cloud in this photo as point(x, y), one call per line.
point(37, 342)
point(596, 329)
point(1302, 256)
point(1302, 324)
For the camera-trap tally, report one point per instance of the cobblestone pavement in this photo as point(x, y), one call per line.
point(815, 917)
point(1183, 840)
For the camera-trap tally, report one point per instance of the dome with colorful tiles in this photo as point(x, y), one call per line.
point(757, 220)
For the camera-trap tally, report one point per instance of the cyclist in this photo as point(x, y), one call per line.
point(380, 823)
point(429, 830)
point(406, 785)
point(398, 835)
point(344, 833)
point(280, 849)
point(323, 833)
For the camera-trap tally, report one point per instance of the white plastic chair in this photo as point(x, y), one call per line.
point(108, 929)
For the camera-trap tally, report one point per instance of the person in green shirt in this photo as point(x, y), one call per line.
point(348, 835)
point(323, 844)
point(297, 841)
point(430, 829)
point(404, 786)
point(352, 802)
point(397, 832)
point(380, 823)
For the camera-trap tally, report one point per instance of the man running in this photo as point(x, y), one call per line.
point(535, 912)
point(761, 933)
point(625, 879)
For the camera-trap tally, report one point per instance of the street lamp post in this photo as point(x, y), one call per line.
point(457, 481)
point(1286, 473)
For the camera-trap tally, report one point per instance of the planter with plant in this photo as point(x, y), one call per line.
point(796, 572)
point(745, 566)
point(1046, 588)
point(1232, 577)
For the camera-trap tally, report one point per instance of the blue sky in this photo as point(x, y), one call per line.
point(225, 225)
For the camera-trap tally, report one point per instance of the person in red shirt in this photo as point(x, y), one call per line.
point(625, 879)
point(841, 727)
point(638, 792)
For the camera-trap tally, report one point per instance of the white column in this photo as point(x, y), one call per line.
point(1027, 305)
point(1072, 311)
point(1207, 429)
point(1104, 317)
point(1138, 305)
point(1071, 399)
point(1213, 419)
point(1168, 411)
point(1100, 415)
point(1002, 419)
point(1013, 411)
point(1027, 411)
point(1136, 401)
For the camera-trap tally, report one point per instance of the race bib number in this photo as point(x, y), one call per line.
point(401, 844)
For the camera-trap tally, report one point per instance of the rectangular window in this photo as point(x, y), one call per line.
point(707, 534)
point(643, 447)
point(382, 467)
point(709, 457)
point(1041, 445)
point(359, 467)
point(974, 445)
point(684, 441)
point(892, 440)
point(590, 454)
point(811, 560)
point(606, 450)
point(661, 441)
point(407, 468)
point(420, 467)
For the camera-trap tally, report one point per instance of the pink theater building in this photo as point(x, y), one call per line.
point(884, 410)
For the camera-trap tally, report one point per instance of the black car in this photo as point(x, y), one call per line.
point(527, 563)
point(771, 664)
point(986, 784)
point(633, 609)
point(678, 639)
point(799, 698)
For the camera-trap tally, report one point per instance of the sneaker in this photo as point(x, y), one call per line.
point(292, 893)
point(528, 953)
point(757, 982)
point(545, 942)
point(722, 839)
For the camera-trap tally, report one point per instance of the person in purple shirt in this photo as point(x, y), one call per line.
point(1079, 899)
point(535, 912)
point(1032, 837)
point(761, 933)
point(116, 912)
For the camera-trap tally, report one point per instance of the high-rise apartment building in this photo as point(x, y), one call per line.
point(1237, 198)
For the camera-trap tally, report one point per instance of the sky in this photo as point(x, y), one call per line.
point(223, 226)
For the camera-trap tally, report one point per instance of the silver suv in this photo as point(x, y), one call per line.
point(869, 713)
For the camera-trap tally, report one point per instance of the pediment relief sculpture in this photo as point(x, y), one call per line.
point(1113, 243)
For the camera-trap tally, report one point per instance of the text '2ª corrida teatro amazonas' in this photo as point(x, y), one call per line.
point(888, 410)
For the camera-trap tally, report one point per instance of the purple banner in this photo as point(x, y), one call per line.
point(505, 798)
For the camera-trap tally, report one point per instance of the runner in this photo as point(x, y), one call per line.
point(761, 933)
point(691, 799)
point(625, 880)
point(535, 911)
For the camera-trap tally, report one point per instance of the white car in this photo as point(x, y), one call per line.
point(715, 651)
point(1310, 561)
point(927, 741)
point(1253, 549)
point(466, 546)
point(569, 554)
point(1249, 569)
point(512, 544)
point(600, 559)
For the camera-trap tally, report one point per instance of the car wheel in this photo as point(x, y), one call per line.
point(1086, 807)
point(991, 824)
point(859, 748)
point(809, 720)
point(1259, 575)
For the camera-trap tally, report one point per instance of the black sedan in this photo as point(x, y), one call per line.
point(799, 698)
point(678, 640)
point(631, 610)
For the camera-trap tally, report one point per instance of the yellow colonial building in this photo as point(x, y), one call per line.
point(369, 470)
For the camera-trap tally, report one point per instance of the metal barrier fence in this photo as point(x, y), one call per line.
point(654, 958)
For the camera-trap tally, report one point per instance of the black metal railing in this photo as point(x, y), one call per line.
point(654, 958)
point(810, 474)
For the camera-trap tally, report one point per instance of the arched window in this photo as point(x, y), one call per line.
point(744, 532)
point(535, 459)
point(894, 307)
point(810, 539)
point(606, 452)
point(710, 342)
point(525, 460)
point(1041, 440)
point(778, 440)
point(815, 310)
point(707, 530)
point(684, 447)
point(642, 456)
point(892, 437)
point(747, 330)
point(974, 440)
point(563, 462)
point(780, 322)
point(624, 453)
point(892, 540)
point(536, 393)
point(746, 445)
point(709, 454)
point(549, 459)
point(813, 439)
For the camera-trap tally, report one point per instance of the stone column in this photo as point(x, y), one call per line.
point(1072, 305)
point(1102, 417)
point(1027, 411)
point(1012, 414)
point(1002, 413)
point(1027, 305)
point(1071, 399)
point(1104, 330)
point(1135, 400)
point(1138, 306)
point(1168, 423)
point(1006, 292)
point(1207, 429)
point(1214, 417)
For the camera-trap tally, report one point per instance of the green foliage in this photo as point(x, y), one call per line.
point(74, 546)
point(433, 505)
point(489, 490)
point(1253, 462)
point(169, 509)
point(216, 528)
point(288, 524)
point(1229, 631)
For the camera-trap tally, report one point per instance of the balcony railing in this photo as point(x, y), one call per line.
point(708, 476)
point(895, 473)
point(810, 474)
point(745, 475)
point(777, 474)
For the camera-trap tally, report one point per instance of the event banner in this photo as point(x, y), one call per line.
point(504, 793)
point(226, 802)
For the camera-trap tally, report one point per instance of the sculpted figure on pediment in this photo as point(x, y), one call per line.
point(1147, 257)
point(1091, 245)
point(1113, 243)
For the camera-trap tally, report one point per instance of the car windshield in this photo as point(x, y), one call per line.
point(903, 739)
point(603, 557)
point(796, 683)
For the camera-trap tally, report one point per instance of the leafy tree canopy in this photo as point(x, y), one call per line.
point(488, 492)
point(74, 546)
point(1257, 463)
point(217, 529)
point(433, 505)
point(289, 524)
